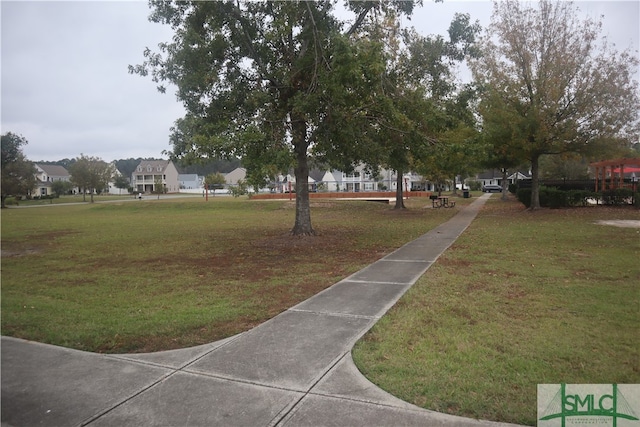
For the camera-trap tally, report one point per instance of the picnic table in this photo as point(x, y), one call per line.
point(442, 201)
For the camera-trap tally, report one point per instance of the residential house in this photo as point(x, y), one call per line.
point(46, 174)
point(490, 177)
point(150, 172)
point(519, 176)
point(191, 181)
point(112, 189)
point(328, 180)
point(494, 177)
point(287, 183)
point(360, 179)
point(235, 175)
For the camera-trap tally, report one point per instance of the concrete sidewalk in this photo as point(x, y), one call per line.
point(293, 370)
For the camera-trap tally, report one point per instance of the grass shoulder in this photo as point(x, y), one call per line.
point(521, 298)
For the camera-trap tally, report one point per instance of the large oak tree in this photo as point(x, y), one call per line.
point(268, 81)
point(552, 82)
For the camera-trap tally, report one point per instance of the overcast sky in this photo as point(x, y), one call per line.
point(66, 89)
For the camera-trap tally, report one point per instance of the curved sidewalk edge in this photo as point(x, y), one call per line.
point(292, 370)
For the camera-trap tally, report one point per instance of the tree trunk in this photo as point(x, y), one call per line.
point(399, 197)
point(535, 186)
point(302, 226)
point(505, 184)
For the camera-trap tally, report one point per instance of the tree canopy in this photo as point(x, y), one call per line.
point(270, 81)
point(18, 174)
point(553, 85)
point(90, 174)
point(214, 181)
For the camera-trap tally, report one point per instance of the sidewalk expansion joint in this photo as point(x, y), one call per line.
point(123, 401)
point(293, 408)
point(334, 314)
point(241, 381)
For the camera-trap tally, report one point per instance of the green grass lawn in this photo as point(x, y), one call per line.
point(77, 198)
point(149, 275)
point(521, 298)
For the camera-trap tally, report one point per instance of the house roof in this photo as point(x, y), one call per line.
point(153, 165)
point(519, 175)
point(490, 174)
point(316, 174)
point(54, 170)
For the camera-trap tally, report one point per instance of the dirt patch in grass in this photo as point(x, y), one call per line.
point(32, 244)
point(7, 253)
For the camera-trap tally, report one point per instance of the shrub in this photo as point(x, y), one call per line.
point(580, 197)
point(513, 188)
point(474, 185)
point(240, 189)
point(619, 196)
point(544, 196)
point(555, 198)
point(524, 196)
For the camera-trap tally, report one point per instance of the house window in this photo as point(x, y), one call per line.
point(159, 168)
point(138, 177)
point(149, 168)
point(139, 168)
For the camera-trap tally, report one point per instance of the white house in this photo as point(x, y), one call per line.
point(112, 189)
point(191, 181)
point(358, 180)
point(519, 176)
point(494, 177)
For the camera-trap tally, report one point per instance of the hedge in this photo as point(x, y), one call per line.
point(554, 198)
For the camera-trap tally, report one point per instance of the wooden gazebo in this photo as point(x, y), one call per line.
point(610, 174)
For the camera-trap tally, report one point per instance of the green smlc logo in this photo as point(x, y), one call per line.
point(585, 405)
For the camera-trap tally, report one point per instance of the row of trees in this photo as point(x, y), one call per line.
point(88, 174)
point(289, 84)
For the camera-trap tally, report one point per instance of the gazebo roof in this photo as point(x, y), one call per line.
point(610, 168)
point(618, 162)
